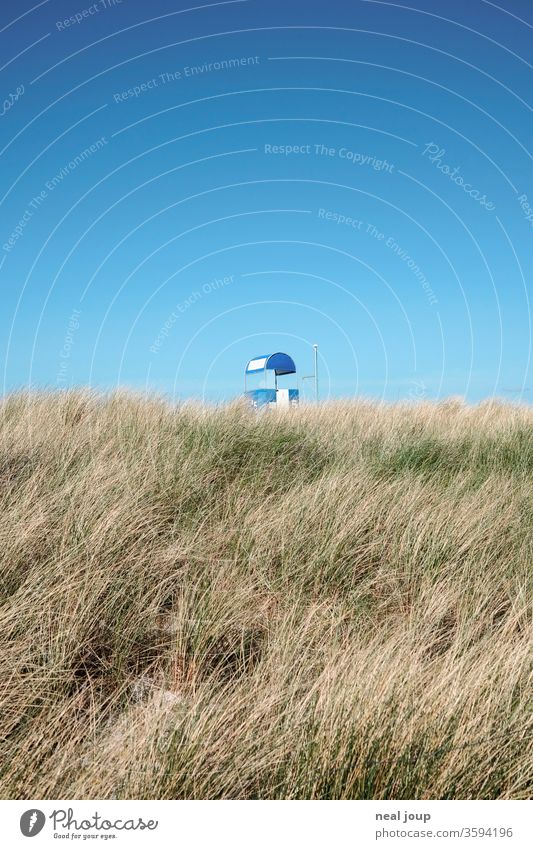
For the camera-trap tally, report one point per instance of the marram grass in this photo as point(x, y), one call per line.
point(328, 603)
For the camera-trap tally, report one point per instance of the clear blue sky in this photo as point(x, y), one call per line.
point(184, 188)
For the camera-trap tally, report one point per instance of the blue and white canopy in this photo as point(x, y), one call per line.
point(279, 363)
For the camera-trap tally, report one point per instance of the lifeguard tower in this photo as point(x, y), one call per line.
point(269, 365)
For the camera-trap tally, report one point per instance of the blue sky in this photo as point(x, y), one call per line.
point(187, 185)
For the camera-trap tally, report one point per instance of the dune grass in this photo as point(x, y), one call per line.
point(331, 603)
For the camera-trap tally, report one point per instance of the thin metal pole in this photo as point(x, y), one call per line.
point(315, 349)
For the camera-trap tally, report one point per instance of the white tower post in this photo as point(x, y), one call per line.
point(315, 349)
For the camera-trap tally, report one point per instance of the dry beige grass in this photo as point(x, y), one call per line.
point(204, 603)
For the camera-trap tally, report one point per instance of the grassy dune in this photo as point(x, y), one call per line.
point(329, 603)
